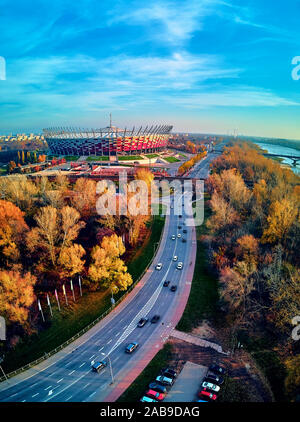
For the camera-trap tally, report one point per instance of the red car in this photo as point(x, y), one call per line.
point(155, 395)
point(207, 394)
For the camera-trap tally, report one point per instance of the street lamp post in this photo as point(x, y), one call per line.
point(110, 367)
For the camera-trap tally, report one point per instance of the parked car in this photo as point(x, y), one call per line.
point(142, 322)
point(175, 258)
point(158, 387)
point(219, 370)
point(183, 240)
point(180, 216)
point(166, 283)
point(170, 373)
point(184, 231)
point(148, 400)
point(179, 266)
point(155, 395)
point(207, 394)
point(98, 366)
point(210, 386)
point(159, 266)
point(131, 347)
point(180, 227)
point(164, 380)
point(155, 319)
point(179, 235)
point(214, 378)
point(173, 237)
point(173, 288)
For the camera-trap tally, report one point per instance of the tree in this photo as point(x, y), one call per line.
point(107, 269)
point(16, 296)
point(12, 231)
point(71, 261)
point(280, 219)
point(84, 197)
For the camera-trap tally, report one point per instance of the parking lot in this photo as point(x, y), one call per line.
point(187, 384)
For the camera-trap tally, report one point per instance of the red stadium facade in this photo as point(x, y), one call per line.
point(109, 141)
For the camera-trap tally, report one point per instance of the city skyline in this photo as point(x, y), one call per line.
point(206, 66)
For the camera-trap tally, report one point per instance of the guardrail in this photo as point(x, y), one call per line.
point(88, 327)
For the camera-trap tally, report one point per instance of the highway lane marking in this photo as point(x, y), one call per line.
point(35, 395)
point(67, 386)
point(91, 395)
point(85, 385)
point(23, 401)
point(91, 357)
point(82, 364)
point(117, 334)
point(109, 341)
point(59, 380)
point(69, 398)
point(72, 372)
point(48, 387)
point(31, 386)
point(101, 349)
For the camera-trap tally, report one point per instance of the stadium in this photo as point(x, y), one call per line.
point(110, 141)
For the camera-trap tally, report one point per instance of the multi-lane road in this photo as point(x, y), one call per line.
point(67, 376)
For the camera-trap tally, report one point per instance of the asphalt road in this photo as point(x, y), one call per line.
point(70, 378)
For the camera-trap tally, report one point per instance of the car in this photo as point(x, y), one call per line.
point(184, 231)
point(155, 395)
point(148, 400)
point(183, 240)
point(164, 380)
point(210, 386)
point(214, 378)
point(180, 216)
point(131, 347)
point(159, 266)
point(179, 266)
point(155, 319)
point(142, 322)
point(166, 283)
point(172, 206)
point(173, 288)
point(173, 237)
point(217, 369)
point(158, 387)
point(98, 366)
point(175, 258)
point(170, 373)
point(207, 394)
point(179, 235)
point(201, 401)
point(179, 227)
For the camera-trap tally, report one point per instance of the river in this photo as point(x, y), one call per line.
point(278, 149)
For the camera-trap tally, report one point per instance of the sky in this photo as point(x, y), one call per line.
point(206, 66)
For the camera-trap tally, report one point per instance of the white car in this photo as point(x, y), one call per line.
point(211, 386)
point(148, 400)
point(173, 237)
point(175, 258)
point(179, 266)
point(158, 266)
point(179, 235)
point(164, 380)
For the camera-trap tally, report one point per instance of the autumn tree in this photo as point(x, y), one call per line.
point(16, 296)
point(84, 197)
point(12, 232)
point(107, 269)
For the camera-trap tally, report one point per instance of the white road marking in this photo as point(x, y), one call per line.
point(59, 380)
point(69, 398)
point(117, 334)
point(68, 386)
point(109, 341)
point(72, 372)
point(48, 387)
point(85, 385)
point(101, 349)
point(82, 364)
point(91, 357)
point(35, 394)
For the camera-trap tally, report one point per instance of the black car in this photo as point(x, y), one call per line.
point(166, 283)
point(183, 240)
point(219, 370)
point(180, 216)
point(184, 231)
point(169, 373)
point(173, 288)
point(142, 322)
point(98, 366)
point(158, 387)
point(179, 227)
point(154, 319)
point(215, 379)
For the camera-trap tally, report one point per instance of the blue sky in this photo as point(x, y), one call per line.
point(201, 65)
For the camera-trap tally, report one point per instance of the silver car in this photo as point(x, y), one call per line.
point(210, 386)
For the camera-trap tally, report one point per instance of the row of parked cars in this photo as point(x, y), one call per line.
point(211, 385)
point(158, 389)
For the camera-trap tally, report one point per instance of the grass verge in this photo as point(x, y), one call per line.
point(135, 391)
point(171, 159)
point(202, 302)
point(97, 158)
